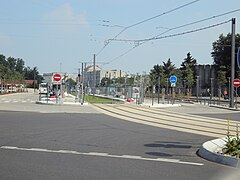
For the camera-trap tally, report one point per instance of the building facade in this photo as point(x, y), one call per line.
point(207, 78)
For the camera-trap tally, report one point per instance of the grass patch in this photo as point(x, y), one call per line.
point(100, 100)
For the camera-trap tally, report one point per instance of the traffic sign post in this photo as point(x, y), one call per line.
point(236, 83)
point(236, 96)
point(238, 57)
point(173, 80)
point(57, 77)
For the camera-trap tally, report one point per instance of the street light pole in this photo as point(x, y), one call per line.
point(212, 93)
point(82, 99)
point(94, 74)
point(232, 63)
point(197, 87)
point(158, 88)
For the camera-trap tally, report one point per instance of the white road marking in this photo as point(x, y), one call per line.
point(103, 155)
point(6, 101)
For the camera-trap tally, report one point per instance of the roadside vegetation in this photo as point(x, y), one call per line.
point(14, 70)
point(232, 147)
point(187, 73)
point(99, 100)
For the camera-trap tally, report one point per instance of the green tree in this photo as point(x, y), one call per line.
point(104, 81)
point(189, 78)
point(19, 65)
point(156, 75)
point(11, 63)
point(189, 62)
point(222, 53)
point(3, 60)
point(221, 79)
point(32, 73)
point(71, 82)
point(168, 68)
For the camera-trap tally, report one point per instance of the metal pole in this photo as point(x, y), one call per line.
point(94, 74)
point(232, 63)
point(61, 94)
point(82, 99)
point(152, 95)
point(158, 88)
point(125, 86)
point(167, 90)
point(229, 86)
point(79, 100)
point(236, 97)
point(34, 80)
point(197, 87)
point(211, 96)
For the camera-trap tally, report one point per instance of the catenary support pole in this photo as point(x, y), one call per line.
point(94, 74)
point(232, 63)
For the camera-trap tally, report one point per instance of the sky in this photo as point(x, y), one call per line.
point(58, 35)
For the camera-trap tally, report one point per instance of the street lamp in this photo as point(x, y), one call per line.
point(197, 87)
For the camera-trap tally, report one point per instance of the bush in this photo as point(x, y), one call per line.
point(232, 146)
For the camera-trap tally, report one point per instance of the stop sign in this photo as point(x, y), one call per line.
point(57, 77)
point(236, 82)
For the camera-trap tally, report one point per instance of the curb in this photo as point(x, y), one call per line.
point(209, 151)
point(61, 104)
point(222, 107)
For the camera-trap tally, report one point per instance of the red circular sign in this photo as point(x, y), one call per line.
point(57, 77)
point(236, 82)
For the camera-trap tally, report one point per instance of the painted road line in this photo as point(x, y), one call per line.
point(6, 101)
point(97, 154)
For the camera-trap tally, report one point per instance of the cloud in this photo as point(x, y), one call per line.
point(65, 19)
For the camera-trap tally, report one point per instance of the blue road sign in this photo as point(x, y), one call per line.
point(238, 57)
point(173, 79)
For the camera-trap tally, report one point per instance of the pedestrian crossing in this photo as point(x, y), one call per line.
point(175, 121)
point(5, 100)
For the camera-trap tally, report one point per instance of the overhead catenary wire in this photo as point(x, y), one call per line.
point(146, 20)
point(171, 29)
point(173, 35)
point(140, 42)
point(195, 22)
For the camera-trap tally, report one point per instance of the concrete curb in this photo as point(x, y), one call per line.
point(61, 104)
point(161, 105)
point(222, 107)
point(211, 150)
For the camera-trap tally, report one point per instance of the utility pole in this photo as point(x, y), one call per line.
point(232, 62)
point(212, 91)
point(82, 99)
point(158, 88)
point(79, 85)
point(34, 77)
point(197, 87)
point(94, 74)
point(167, 90)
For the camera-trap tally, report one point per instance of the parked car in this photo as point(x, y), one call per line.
point(2, 90)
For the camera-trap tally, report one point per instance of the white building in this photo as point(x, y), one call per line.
point(100, 74)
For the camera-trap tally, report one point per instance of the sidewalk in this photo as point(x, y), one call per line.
point(67, 99)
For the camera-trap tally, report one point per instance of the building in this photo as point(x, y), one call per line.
point(100, 74)
point(206, 75)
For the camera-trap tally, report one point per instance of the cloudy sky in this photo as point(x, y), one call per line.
point(59, 34)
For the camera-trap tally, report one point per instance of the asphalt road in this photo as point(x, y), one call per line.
point(61, 145)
